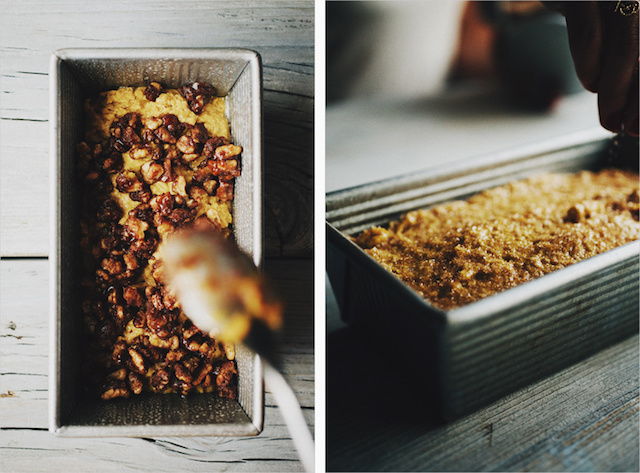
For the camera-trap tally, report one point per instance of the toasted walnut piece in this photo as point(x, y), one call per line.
point(102, 276)
point(202, 173)
point(197, 95)
point(225, 191)
point(190, 157)
point(179, 217)
point(109, 211)
point(160, 379)
point(198, 194)
point(168, 175)
point(156, 300)
point(127, 181)
point(140, 152)
point(186, 144)
point(130, 137)
point(189, 330)
point(157, 271)
point(171, 343)
point(112, 266)
point(141, 196)
point(137, 360)
point(210, 186)
point(132, 296)
point(227, 151)
point(172, 123)
point(208, 349)
point(201, 373)
point(119, 353)
point(207, 381)
point(144, 248)
point(174, 355)
point(113, 296)
point(225, 170)
point(179, 187)
point(166, 227)
point(194, 343)
point(120, 374)
point(113, 389)
point(229, 350)
point(162, 204)
point(135, 382)
point(151, 172)
point(165, 135)
point(153, 123)
point(212, 143)
point(121, 314)
point(142, 212)
point(140, 320)
point(153, 91)
point(112, 163)
point(131, 261)
point(226, 380)
point(157, 322)
point(171, 153)
point(131, 119)
point(148, 136)
point(134, 228)
point(199, 133)
point(169, 301)
point(182, 373)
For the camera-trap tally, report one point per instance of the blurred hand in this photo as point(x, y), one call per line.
point(604, 46)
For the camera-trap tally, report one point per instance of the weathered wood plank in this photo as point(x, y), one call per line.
point(24, 326)
point(584, 418)
point(282, 32)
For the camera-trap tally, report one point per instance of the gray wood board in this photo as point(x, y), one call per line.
point(584, 418)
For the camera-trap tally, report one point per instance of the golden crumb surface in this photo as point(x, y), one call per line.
point(462, 251)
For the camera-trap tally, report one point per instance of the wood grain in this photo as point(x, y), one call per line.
point(584, 418)
point(282, 32)
point(25, 441)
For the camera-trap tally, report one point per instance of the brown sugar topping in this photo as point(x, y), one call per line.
point(459, 252)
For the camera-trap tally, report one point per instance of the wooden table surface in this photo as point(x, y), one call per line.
point(283, 33)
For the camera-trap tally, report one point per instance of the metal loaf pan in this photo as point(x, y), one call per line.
point(76, 74)
point(475, 354)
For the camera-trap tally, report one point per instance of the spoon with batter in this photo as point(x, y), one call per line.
point(223, 294)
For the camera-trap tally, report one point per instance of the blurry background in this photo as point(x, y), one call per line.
point(427, 83)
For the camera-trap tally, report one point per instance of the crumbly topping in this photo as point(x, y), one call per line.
point(459, 252)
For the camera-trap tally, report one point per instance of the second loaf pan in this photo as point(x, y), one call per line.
point(479, 352)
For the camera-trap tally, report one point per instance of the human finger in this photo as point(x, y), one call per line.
point(585, 33)
point(631, 109)
point(619, 63)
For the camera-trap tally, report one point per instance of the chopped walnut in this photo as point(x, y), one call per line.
point(186, 144)
point(151, 172)
point(132, 296)
point(114, 389)
point(153, 91)
point(197, 95)
point(127, 181)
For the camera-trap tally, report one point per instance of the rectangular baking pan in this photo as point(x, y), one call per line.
point(76, 74)
point(475, 354)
